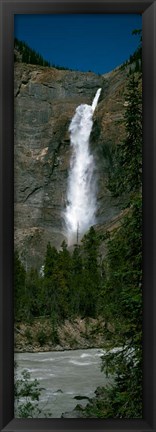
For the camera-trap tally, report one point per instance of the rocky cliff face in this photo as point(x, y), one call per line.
point(45, 101)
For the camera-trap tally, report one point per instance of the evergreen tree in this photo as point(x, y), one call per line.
point(121, 302)
point(20, 298)
point(63, 278)
point(57, 276)
point(121, 295)
point(50, 260)
point(30, 56)
point(76, 286)
point(34, 293)
point(50, 291)
point(126, 176)
point(91, 279)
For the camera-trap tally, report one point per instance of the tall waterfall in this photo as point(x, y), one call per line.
point(81, 193)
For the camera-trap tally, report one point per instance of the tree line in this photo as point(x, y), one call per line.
point(121, 291)
point(82, 283)
point(68, 286)
point(135, 60)
point(25, 54)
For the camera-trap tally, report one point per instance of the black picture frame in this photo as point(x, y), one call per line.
point(7, 10)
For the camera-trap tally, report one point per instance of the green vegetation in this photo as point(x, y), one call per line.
point(125, 176)
point(84, 284)
point(28, 335)
point(121, 304)
point(42, 337)
point(27, 397)
point(68, 288)
point(28, 55)
point(23, 53)
point(120, 297)
point(20, 287)
point(135, 60)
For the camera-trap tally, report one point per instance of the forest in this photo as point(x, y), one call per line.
point(81, 282)
point(23, 53)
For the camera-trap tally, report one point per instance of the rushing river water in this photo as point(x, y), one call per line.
point(64, 375)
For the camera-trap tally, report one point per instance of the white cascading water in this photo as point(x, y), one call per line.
point(81, 193)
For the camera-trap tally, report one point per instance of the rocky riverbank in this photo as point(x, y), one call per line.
point(42, 336)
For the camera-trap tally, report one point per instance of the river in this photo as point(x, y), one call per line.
point(64, 375)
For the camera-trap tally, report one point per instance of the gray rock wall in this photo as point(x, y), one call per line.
point(45, 101)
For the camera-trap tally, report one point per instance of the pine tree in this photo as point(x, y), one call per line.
point(121, 294)
point(29, 55)
point(126, 176)
point(76, 286)
point(63, 278)
point(91, 275)
point(121, 302)
point(57, 277)
point(20, 297)
point(50, 290)
point(50, 260)
point(34, 293)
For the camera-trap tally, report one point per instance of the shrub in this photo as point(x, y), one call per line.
point(41, 337)
point(28, 335)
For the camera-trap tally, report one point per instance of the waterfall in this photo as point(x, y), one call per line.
point(81, 191)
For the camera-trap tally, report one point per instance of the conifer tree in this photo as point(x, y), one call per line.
point(19, 287)
point(91, 272)
point(76, 286)
point(63, 278)
point(121, 295)
point(126, 176)
point(50, 291)
point(34, 293)
point(50, 260)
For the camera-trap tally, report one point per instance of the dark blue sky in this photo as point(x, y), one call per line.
point(97, 42)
